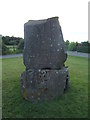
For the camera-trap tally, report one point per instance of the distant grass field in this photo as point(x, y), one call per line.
point(12, 48)
point(73, 104)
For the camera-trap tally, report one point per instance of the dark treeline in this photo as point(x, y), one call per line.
point(79, 47)
point(11, 40)
point(13, 45)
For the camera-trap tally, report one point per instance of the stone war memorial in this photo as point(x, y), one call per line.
point(44, 56)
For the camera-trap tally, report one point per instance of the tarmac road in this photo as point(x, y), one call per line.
point(75, 53)
point(68, 52)
point(11, 56)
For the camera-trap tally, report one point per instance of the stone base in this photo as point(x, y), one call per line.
point(37, 85)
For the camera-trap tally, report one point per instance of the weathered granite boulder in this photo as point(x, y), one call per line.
point(46, 76)
point(44, 45)
point(44, 84)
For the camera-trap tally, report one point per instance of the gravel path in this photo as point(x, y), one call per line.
point(68, 52)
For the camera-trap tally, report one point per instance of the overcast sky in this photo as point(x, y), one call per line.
point(73, 16)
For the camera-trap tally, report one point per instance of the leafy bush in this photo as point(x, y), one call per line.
point(84, 47)
point(67, 44)
point(11, 40)
point(18, 51)
point(21, 44)
point(72, 46)
point(5, 50)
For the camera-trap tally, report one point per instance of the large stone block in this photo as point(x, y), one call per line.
point(43, 44)
point(46, 76)
point(37, 85)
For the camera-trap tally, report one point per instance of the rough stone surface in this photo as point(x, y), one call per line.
point(44, 84)
point(44, 45)
point(46, 76)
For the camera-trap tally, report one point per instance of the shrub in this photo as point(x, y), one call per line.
point(11, 40)
point(5, 50)
point(21, 44)
point(72, 46)
point(67, 44)
point(84, 47)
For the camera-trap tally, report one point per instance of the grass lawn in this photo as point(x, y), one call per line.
point(12, 47)
point(73, 104)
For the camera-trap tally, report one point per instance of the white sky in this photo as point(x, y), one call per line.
point(73, 16)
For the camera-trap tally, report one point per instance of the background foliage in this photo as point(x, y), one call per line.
point(14, 45)
point(79, 47)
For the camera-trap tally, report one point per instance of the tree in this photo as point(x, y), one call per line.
point(84, 47)
point(21, 44)
point(72, 46)
point(11, 40)
point(5, 50)
point(67, 44)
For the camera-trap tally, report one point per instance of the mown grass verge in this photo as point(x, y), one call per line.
point(73, 104)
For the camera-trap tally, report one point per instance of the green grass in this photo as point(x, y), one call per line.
point(12, 48)
point(73, 104)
